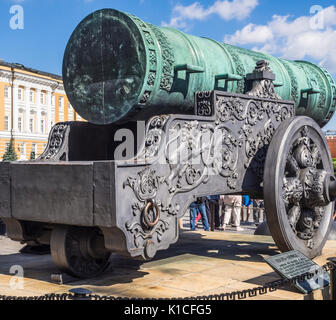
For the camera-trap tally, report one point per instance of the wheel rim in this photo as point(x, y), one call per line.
point(71, 253)
point(298, 171)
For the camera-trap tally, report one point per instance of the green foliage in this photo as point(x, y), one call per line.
point(334, 163)
point(32, 155)
point(10, 154)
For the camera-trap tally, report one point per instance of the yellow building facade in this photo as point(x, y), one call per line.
point(31, 102)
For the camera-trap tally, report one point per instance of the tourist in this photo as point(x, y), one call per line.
point(214, 201)
point(195, 207)
point(247, 207)
point(258, 211)
point(232, 211)
point(221, 211)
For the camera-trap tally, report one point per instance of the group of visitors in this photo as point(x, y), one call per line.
point(226, 211)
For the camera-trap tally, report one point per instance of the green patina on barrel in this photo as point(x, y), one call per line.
point(117, 67)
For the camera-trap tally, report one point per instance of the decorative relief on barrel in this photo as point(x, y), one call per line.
point(294, 82)
point(333, 89)
point(315, 81)
point(145, 97)
point(149, 38)
point(168, 59)
point(151, 78)
point(152, 58)
point(138, 21)
point(238, 65)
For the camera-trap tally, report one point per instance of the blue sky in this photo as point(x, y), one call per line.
point(279, 28)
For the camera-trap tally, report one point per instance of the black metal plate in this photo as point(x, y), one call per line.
point(292, 264)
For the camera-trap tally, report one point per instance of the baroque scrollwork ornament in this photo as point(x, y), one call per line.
point(154, 134)
point(145, 185)
point(204, 103)
point(191, 154)
point(57, 138)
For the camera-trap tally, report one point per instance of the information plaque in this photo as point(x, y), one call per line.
point(292, 264)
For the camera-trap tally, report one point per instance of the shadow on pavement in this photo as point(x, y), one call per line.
point(125, 270)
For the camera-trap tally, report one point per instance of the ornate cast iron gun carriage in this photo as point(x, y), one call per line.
point(219, 120)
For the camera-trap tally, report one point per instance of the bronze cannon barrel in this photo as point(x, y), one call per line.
point(118, 67)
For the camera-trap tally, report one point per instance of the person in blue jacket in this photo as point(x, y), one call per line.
point(247, 203)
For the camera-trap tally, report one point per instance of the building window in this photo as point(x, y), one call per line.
point(42, 126)
point(22, 149)
point(61, 102)
point(61, 109)
point(20, 124)
point(32, 96)
point(34, 148)
point(31, 124)
point(42, 98)
point(20, 94)
point(7, 92)
point(70, 114)
point(6, 123)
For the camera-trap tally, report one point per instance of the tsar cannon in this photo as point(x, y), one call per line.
point(219, 120)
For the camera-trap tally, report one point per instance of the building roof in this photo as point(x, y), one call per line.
point(329, 133)
point(22, 67)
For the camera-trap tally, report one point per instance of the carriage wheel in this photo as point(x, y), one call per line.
point(299, 187)
point(79, 252)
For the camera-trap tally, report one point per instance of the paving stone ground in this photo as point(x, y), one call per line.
point(201, 263)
